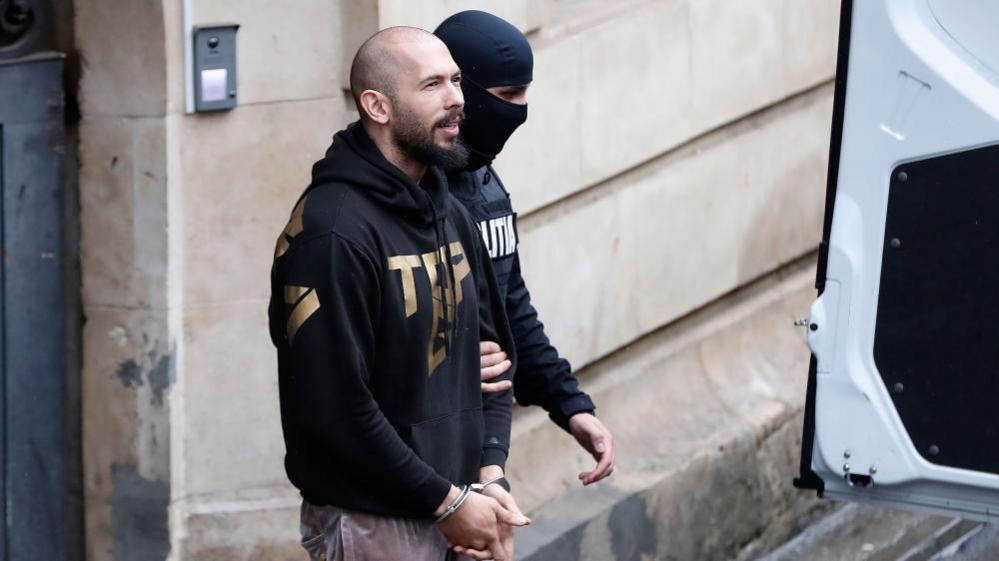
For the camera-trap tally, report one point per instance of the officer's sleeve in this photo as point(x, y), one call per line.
point(330, 300)
point(543, 377)
point(497, 408)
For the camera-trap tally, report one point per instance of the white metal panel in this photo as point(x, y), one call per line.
point(913, 91)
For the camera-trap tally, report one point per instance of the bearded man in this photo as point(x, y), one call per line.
point(380, 293)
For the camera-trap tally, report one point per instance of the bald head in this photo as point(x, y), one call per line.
point(407, 88)
point(382, 58)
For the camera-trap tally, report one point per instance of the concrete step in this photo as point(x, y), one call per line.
point(863, 533)
point(707, 419)
point(980, 545)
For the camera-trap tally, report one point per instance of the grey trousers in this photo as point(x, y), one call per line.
point(330, 533)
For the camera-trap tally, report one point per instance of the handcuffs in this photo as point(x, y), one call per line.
point(465, 490)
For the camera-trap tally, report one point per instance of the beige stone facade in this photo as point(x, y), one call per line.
point(675, 153)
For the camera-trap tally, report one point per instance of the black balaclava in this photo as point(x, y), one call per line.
point(490, 52)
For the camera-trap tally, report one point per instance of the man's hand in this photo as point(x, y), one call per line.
point(505, 499)
point(493, 362)
point(474, 529)
point(597, 440)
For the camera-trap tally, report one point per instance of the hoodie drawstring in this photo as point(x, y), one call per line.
point(444, 254)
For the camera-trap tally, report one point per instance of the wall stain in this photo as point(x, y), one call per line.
point(160, 376)
point(139, 522)
point(130, 374)
point(633, 533)
point(566, 547)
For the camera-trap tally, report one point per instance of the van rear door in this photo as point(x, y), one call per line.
point(903, 393)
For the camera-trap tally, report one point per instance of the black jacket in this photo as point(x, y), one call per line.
point(542, 376)
point(379, 290)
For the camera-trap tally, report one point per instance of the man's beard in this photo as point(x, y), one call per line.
point(413, 138)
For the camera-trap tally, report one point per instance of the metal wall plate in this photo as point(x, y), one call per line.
point(215, 67)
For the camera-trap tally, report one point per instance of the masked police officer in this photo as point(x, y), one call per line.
point(497, 68)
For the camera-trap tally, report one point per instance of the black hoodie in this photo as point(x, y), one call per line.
point(378, 340)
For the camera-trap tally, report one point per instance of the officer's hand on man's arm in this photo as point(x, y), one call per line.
point(493, 362)
point(475, 528)
point(597, 440)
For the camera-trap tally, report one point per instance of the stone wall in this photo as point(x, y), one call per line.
point(128, 183)
point(675, 151)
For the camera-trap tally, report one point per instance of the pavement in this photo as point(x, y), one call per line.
point(863, 533)
point(707, 418)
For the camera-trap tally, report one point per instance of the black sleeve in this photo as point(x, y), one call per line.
point(543, 377)
point(497, 408)
point(331, 335)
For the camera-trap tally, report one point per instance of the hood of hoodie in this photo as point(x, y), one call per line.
point(354, 159)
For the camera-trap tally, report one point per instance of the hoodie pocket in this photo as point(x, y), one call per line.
point(451, 445)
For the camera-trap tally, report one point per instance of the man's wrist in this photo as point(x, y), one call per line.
point(562, 416)
point(494, 473)
point(452, 495)
point(490, 472)
point(579, 413)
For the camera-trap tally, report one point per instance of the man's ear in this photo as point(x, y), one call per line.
point(377, 106)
